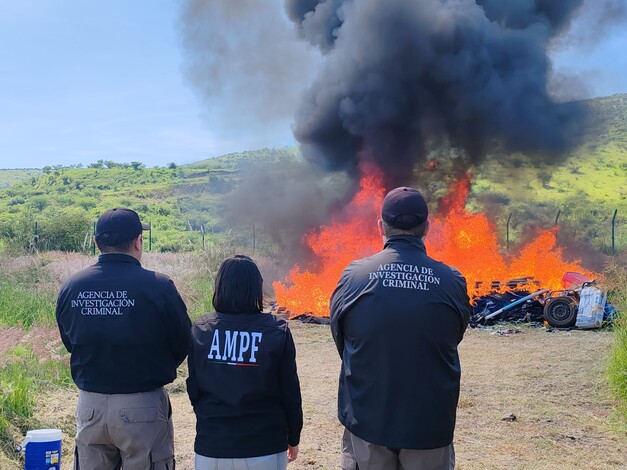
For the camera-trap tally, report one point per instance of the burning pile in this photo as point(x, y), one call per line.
point(457, 237)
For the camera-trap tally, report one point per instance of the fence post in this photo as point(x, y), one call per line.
point(559, 211)
point(93, 243)
point(36, 238)
point(507, 231)
point(613, 228)
point(254, 240)
point(149, 236)
point(202, 231)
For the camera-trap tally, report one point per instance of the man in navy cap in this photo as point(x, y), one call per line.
point(127, 331)
point(397, 318)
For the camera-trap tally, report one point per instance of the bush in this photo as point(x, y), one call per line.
point(616, 272)
point(67, 231)
point(17, 232)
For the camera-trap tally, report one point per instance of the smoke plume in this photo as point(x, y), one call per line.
point(396, 82)
point(246, 64)
point(403, 79)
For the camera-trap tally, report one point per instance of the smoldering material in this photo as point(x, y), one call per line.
point(403, 79)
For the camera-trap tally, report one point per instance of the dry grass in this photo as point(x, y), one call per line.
point(552, 382)
point(193, 273)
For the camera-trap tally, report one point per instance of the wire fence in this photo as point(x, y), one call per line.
point(609, 235)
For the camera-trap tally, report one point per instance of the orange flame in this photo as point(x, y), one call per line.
point(468, 241)
point(351, 235)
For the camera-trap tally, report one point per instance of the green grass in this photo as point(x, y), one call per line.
point(21, 379)
point(25, 305)
point(616, 273)
point(617, 369)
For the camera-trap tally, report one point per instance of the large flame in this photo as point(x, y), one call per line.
point(468, 241)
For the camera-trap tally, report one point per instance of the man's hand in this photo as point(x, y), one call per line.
point(292, 453)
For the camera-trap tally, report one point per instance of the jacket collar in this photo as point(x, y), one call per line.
point(406, 242)
point(106, 258)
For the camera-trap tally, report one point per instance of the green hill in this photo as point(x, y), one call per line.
point(9, 177)
point(581, 192)
point(54, 208)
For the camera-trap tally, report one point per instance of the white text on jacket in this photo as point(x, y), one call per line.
point(235, 346)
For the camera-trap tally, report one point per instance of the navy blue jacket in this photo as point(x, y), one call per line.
point(126, 327)
point(397, 318)
point(243, 385)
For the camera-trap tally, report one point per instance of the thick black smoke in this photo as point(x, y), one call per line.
point(404, 78)
point(400, 81)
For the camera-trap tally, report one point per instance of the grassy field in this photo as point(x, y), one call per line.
point(565, 387)
point(553, 383)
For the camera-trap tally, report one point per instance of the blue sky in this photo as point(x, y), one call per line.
point(85, 80)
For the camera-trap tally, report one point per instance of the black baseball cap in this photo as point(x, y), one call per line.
point(404, 201)
point(122, 222)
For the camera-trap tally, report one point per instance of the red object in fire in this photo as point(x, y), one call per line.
point(572, 279)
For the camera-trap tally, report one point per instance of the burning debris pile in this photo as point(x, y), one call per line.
point(457, 237)
point(582, 304)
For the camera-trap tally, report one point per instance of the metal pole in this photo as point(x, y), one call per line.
point(93, 243)
point(518, 302)
point(254, 240)
point(613, 228)
point(149, 236)
point(507, 231)
point(558, 216)
point(36, 240)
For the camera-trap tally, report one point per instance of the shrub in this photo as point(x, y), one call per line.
point(616, 273)
point(67, 231)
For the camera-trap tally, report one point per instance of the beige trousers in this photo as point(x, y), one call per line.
point(358, 454)
point(264, 462)
point(124, 431)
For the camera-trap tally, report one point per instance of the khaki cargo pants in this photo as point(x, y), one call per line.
point(124, 431)
point(358, 454)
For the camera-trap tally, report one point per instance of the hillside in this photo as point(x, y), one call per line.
point(54, 208)
point(9, 177)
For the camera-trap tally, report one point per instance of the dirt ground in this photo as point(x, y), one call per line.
point(552, 382)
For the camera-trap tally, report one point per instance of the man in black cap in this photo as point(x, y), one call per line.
point(127, 331)
point(397, 318)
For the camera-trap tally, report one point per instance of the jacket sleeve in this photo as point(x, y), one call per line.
point(337, 306)
point(179, 324)
point(290, 391)
point(193, 391)
point(464, 306)
point(60, 321)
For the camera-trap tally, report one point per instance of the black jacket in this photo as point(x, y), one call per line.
point(126, 328)
point(243, 385)
point(397, 318)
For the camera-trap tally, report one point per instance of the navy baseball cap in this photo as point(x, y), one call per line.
point(122, 222)
point(404, 201)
